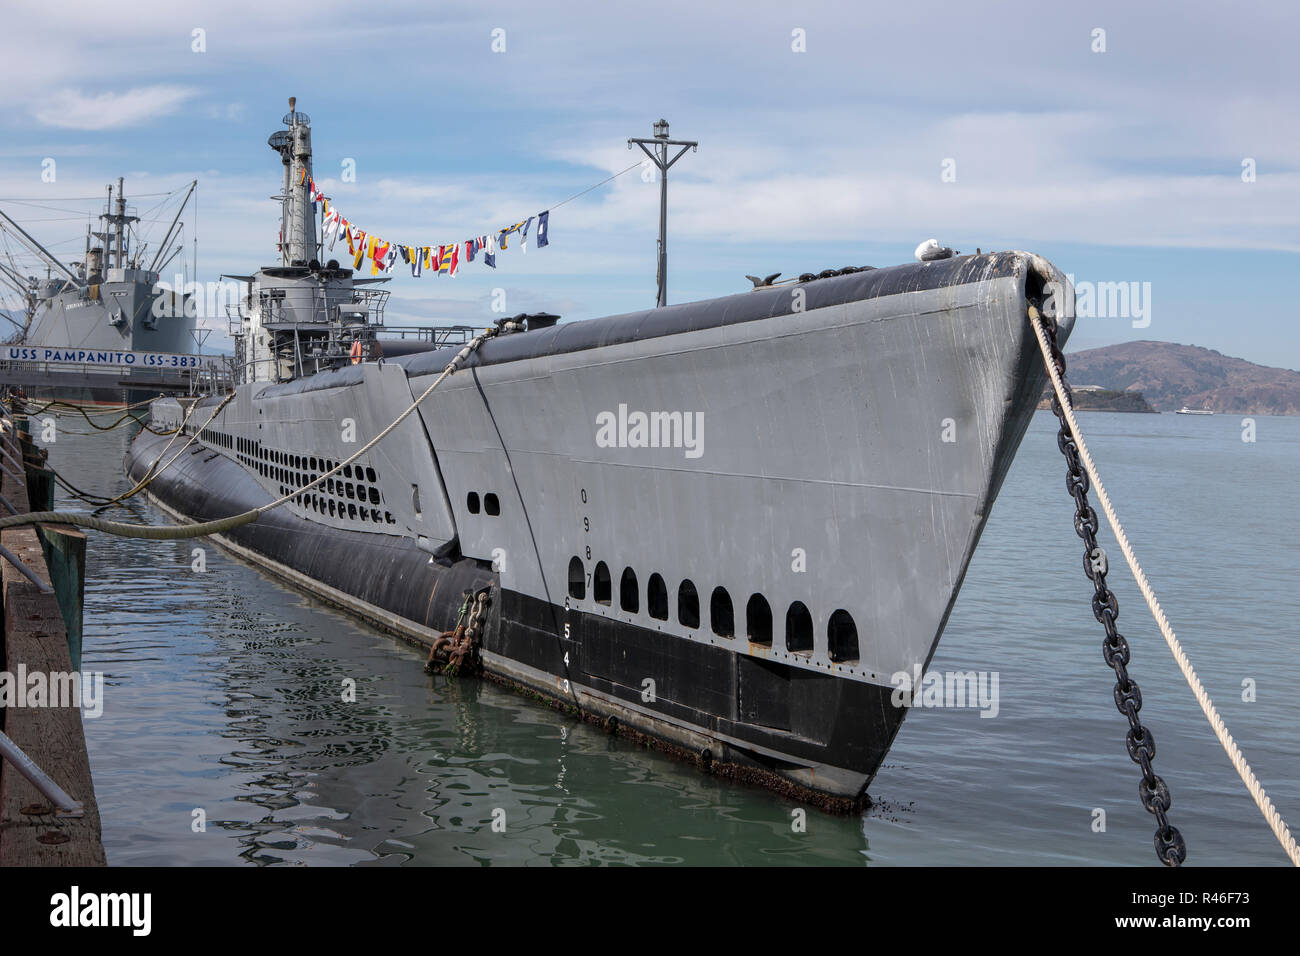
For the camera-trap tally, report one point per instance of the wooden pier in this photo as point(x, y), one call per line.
point(42, 635)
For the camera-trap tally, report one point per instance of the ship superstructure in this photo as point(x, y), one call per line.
point(83, 320)
point(728, 525)
point(299, 317)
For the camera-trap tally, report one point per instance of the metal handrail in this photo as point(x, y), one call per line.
point(40, 779)
point(21, 567)
point(207, 375)
point(437, 334)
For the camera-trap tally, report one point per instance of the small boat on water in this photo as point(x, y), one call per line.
point(1193, 411)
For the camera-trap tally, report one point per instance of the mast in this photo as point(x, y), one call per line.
point(118, 220)
point(659, 156)
point(301, 318)
point(297, 224)
point(117, 225)
point(162, 246)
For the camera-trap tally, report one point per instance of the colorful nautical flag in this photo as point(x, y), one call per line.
point(442, 259)
point(378, 255)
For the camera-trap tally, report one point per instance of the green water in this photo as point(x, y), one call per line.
point(225, 696)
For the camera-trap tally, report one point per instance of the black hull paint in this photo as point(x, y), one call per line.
point(813, 736)
point(776, 717)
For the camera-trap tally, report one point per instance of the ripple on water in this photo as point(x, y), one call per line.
point(225, 695)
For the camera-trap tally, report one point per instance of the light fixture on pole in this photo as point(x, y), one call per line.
point(659, 156)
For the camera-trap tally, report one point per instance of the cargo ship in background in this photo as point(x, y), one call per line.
point(99, 331)
point(723, 526)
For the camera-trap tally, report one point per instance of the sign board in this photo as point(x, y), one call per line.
point(108, 359)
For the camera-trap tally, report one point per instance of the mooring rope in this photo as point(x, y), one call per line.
point(221, 525)
point(99, 501)
point(1271, 814)
point(150, 474)
point(127, 416)
point(70, 405)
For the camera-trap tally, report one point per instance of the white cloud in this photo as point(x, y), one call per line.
point(228, 112)
point(805, 160)
point(72, 109)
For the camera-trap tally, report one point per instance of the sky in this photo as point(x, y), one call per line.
point(1162, 152)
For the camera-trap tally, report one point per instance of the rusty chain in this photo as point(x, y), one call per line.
point(457, 648)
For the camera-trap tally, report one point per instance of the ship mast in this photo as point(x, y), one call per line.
point(118, 220)
point(659, 156)
point(167, 238)
point(297, 223)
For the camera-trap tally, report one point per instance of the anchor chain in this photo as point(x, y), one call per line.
point(1153, 791)
point(457, 649)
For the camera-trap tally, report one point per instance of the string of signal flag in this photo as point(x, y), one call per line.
point(433, 258)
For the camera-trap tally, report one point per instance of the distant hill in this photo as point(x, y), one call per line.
point(1171, 376)
point(1093, 399)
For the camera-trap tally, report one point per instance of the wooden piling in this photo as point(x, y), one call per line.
point(64, 549)
point(36, 638)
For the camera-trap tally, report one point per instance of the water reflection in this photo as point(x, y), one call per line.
point(226, 695)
